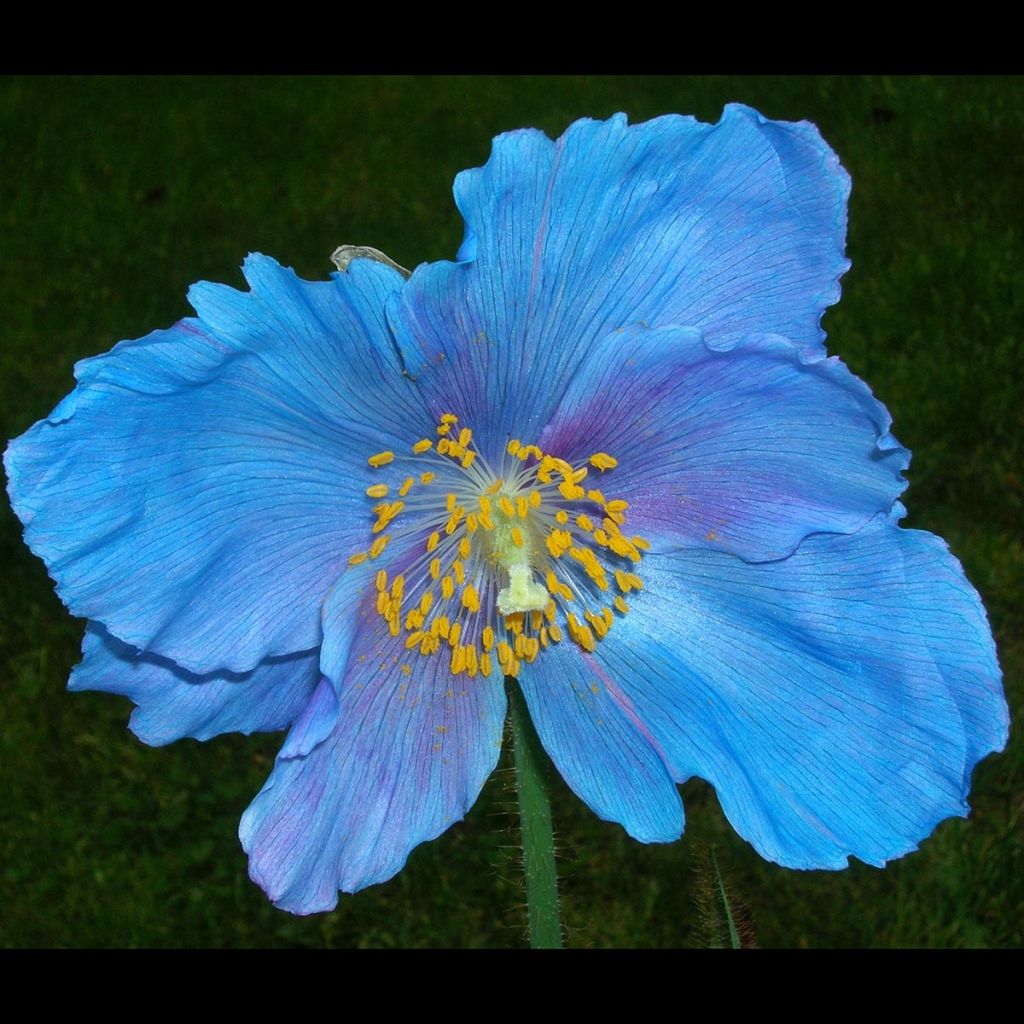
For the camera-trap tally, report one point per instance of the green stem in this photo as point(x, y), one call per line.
point(535, 827)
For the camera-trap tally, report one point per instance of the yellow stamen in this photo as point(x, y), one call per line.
point(381, 459)
point(422, 446)
point(603, 461)
point(377, 490)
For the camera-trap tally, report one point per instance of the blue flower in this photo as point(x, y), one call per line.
point(604, 451)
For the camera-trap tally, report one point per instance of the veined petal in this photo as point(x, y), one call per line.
point(734, 228)
point(745, 447)
point(599, 746)
point(837, 699)
point(201, 488)
point(408, 752)
point(172, 703)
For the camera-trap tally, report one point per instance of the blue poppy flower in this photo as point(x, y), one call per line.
point(603, 451)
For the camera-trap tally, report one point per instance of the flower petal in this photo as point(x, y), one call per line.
point(602, 750)
point(837, 699)
point(409, 749)
point(733, 228)
point(746, 447)
point(202, 487)
point(172, 703)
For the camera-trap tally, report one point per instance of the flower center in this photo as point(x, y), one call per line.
point(503, 557)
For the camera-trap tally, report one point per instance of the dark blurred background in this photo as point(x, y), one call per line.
point(117, 193)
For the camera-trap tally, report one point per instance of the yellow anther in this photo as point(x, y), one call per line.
point(535, 499)
point(440, 627)
point(450, 501)
point(635, 581)
point(486, 667)
point(555, 633)
point(513, 446)
point(422, 446)
point(606, 614)
point(517, 536)
point(597, 496)
point(465, 436)
point(544, 468)
point(381, 579)
point(562, 516)
point(397, 588)
point(506, 506)
point(486, 521)
point(532, 648)
point(454, 519)
point(485, 504)
point(435, 568)
point(519, 646)
point(493, 489)
point(460, 572)
point(514, 622)
point(426, 602)
point(621, 605)
point(472, 522)
point(529, 449)
point(585, 522)
point(444, 446)
point(433, 540)
point(426, 478)
point(603, 461)
point(570, 491)
point(617, 505)
point(377, 490)
point(467, 459)
point(406, 486)
point(639, 542)
point(504, 654)
point(579, 474)
point(358, 558)
point(383, 602)
point(394, 627)
point(488, 638)
point(379, 545)
point(442, 430)
point(454, 633)
point(381, 459)
point(465, 547)
point(549, 611)
point(413, 640)
point(544, 636)
point(471, 660)
point(458, 661)
point(536, 620)
point(447, 588)
point(601, 537)
point(522, 506)
point(449, 417)
point(622, 580)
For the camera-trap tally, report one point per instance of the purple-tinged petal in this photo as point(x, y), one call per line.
point(409, 749)
point(172, 703)
point(598, 744)
point(202, 487)
point(837, 699)
point(745, 447)
point(734, 228)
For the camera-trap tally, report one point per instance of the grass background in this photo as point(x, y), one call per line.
point(115, 194)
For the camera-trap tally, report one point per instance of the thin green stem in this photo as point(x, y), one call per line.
point(545, 926)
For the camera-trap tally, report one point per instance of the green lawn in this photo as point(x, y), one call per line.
point(116, 194)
